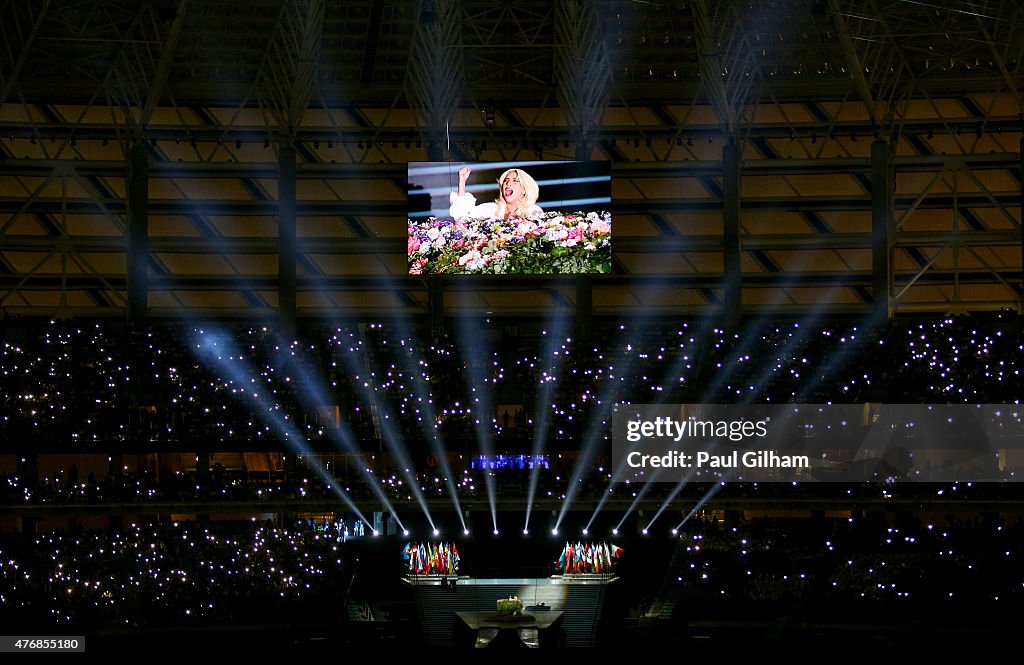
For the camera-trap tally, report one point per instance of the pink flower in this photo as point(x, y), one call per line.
point(525, 228)
point(414, 243)
point(500, 254)
point(601, 228)
point(417, 267)
point(469, 256)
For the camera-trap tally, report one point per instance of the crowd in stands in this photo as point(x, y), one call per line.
point(84, 386)
point(171, 574)
point(84, 382)
point(860, 569)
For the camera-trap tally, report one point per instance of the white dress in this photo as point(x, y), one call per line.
point(465, 206)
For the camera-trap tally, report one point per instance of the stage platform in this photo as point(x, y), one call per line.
point(567, 609)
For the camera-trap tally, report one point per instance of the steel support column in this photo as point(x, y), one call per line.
point(287, 253)
point(732, 274)
point(882, 223)
point(138, 234)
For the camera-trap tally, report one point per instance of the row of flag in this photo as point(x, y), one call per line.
point(581, 558)
point(432, 558)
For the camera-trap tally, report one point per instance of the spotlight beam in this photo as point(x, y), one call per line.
point(389, 436)
point(835, 359)
point(712, 491)
point(481, 403)
point(597, 425)
point(612, 482)
point(422, 395)
point(311, 394)
point(212, 349)
point(542, 406)
point(670, 377)
point(671, 497)
point(645, 487)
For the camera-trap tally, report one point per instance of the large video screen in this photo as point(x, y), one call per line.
point(510, 218)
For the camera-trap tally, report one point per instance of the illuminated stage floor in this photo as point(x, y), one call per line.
point(579, 599)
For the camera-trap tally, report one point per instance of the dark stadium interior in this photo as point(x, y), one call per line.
point(233, 418)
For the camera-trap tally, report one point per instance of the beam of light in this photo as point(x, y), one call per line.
point(712, 491)
point(312, 392)
point(792, 344)
point(779, 294)
point(218, 349)
point(554, 352)
point(838, 356)
point(389, 434)
point(424, 400)
point(613, 480)
point(758, 386)
point(685, 357)
point(645, 487)
point(588, 450)
point(674, 375)
point(475, 350)
point(671, 497)
point(805, 329)
point(601, 413)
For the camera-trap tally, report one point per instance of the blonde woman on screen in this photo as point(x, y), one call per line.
point(517, 198)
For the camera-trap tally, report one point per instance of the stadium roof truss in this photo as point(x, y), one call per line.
point(878, 146)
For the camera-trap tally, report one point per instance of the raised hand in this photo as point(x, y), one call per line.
point(463, 179)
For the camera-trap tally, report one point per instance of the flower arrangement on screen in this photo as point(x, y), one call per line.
point(556, 243)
